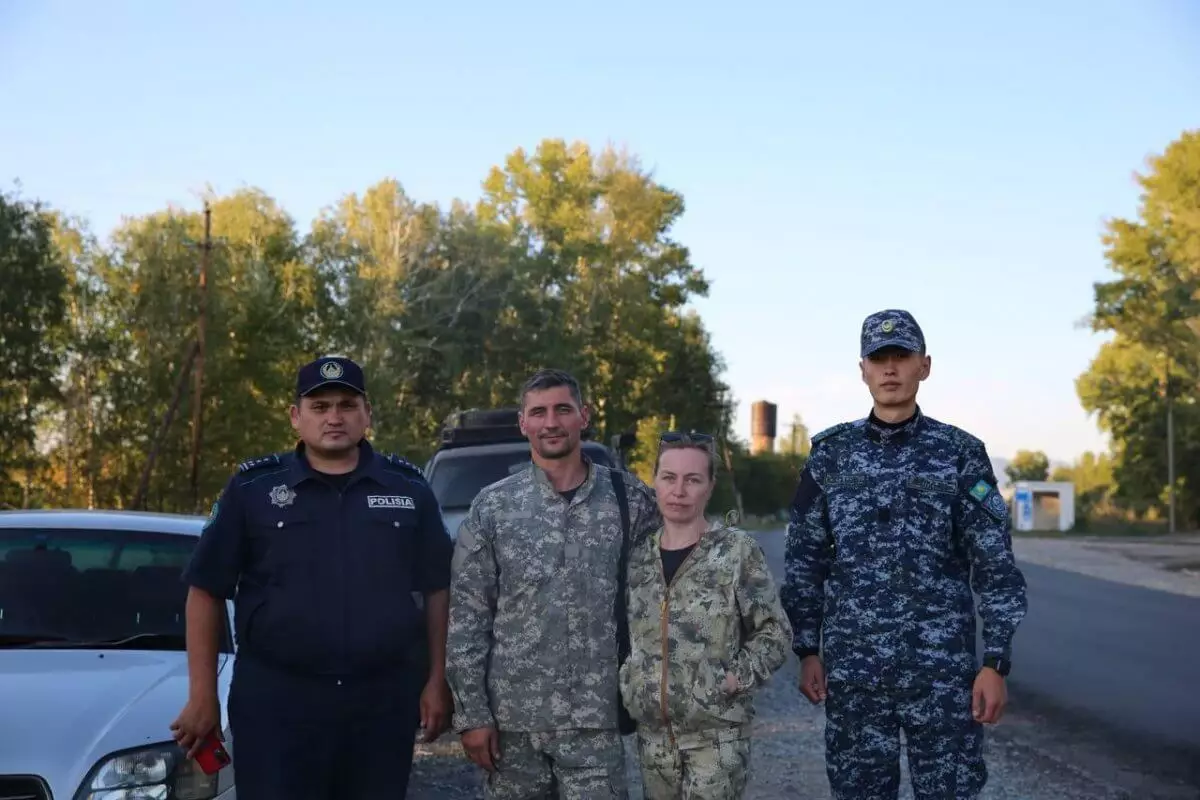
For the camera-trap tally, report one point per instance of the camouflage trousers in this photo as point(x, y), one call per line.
point(559, 765)
point(862, 742)
point(710, 765)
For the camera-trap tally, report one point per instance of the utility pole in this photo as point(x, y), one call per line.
point(201, 335)
point(1170, 454)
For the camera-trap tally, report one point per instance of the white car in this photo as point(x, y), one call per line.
point(93, 666)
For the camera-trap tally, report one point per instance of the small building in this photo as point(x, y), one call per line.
point(1043, 505)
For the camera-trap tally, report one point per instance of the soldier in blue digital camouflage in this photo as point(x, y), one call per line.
point(896, 519)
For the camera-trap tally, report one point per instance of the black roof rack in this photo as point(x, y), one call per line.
point(485, 426)
point(481, 426)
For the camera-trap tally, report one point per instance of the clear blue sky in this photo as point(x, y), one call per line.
point(835, 160)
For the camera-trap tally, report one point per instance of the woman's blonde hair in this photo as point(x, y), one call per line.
point(684, 440)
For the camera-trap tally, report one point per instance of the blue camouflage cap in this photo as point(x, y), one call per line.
point(892, 327)
point(330, 371)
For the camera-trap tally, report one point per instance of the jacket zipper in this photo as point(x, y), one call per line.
point(664, 614)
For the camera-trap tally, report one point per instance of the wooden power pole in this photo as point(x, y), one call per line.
point(201, 335)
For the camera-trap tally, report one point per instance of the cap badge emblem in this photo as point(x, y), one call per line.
point(888, 326)
point(331, 370)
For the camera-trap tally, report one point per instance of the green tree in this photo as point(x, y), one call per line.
point(567, 261)
point(1028, 465)
point(33, 333)
point(603, 278)
point(796, 441)
point(1152, 309)
point(1092, 477)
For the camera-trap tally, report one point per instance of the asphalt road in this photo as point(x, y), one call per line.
point(1112, 667)
point(1126, 657)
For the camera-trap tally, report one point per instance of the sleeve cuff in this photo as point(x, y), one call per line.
point(464, 722)
point(805, 652)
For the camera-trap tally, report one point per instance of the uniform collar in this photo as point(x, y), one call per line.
point(548, 491)
point(368, 464)
point(888, 434)
point(712, 532)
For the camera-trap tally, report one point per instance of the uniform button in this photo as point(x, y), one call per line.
point(279, 524)
point(395, 523)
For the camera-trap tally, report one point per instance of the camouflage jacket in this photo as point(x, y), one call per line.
point(721, 613)
point(532, 644)
point(891, 529)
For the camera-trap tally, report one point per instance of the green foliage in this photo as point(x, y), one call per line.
point(33, 307)
point(796, 441)
point(767, 481)
point(1092, 477)
point(566, 261)
point(1152, 308)
point(1028, 465)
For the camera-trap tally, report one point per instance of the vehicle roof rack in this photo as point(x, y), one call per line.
point(481, 426)
point(486, 426)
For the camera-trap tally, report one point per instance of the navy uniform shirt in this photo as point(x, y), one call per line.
point(322, 569)
point(892, 526)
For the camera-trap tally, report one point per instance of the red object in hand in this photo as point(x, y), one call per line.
point(212, 755)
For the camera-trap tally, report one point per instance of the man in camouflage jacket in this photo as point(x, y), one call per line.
point(532, 646)
point(896, 519)
point(720, 615)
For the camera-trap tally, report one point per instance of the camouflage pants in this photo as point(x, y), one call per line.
point(565, 765)
point(862, 741)
point(711, 765)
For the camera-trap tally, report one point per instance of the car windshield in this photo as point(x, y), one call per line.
point(458, 478)
point(68, 587)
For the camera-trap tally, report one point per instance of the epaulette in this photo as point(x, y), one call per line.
point(404, 464)
point(258, 463)
point(832, 431)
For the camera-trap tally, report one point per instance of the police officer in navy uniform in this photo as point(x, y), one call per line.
point(322, 549)
point(896, 522)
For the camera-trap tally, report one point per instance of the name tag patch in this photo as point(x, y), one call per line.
point(390, 501)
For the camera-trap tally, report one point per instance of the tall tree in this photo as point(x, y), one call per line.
point(795, 440)
point(1028, 465)
point(608, 282)
point(33, 309)
point(1152, 363)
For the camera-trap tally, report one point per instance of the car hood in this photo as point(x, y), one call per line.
point(66, 709)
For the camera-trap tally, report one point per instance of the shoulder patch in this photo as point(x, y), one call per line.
point(403, 464)
point(989, 498)
point(830, 432)
point(807, 492)
point(258, 463)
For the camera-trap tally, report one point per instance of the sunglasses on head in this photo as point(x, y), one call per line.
point(684, 437)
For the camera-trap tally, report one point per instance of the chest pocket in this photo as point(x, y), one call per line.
point(281, 542)
point(849, 503)
point(932, 501)
point(388, 540)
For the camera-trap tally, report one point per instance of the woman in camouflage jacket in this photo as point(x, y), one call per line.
point(706, 629)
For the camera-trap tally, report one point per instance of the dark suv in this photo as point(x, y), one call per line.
point(480, 447)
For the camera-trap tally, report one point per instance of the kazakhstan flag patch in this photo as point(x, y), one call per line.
point(980, 490)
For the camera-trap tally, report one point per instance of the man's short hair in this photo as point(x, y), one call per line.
point(545, 379)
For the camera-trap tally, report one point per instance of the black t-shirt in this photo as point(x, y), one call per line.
point(672, 559)
point(337, 481)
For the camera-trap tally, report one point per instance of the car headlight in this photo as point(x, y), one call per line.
point(160, 772)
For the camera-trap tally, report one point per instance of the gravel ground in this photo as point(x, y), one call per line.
point(1030, 755)
point(1026, 756)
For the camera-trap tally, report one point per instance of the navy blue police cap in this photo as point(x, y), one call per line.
point(330, 371)
point(891, 328)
